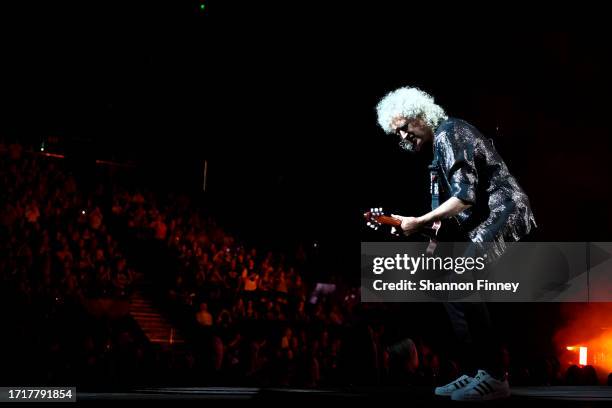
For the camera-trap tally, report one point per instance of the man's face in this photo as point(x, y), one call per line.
point(414, 133)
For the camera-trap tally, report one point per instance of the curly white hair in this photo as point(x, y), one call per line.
point(409, 103)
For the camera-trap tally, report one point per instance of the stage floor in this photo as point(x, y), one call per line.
point(543, 396)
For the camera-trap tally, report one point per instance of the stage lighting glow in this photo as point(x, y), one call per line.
point(583, 356)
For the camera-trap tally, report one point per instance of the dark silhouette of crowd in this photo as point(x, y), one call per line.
point(56, 253)
point(55, 241)
point(250, 314)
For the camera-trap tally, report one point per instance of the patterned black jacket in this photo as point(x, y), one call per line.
point(473, 171)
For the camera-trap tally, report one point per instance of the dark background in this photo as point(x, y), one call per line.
point(280, 101)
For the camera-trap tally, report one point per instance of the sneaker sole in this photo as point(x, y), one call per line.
point(487, 397)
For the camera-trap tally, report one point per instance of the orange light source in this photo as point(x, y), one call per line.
point(583, 356)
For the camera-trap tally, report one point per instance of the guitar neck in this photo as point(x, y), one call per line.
point(430, 230)
point(386, 220)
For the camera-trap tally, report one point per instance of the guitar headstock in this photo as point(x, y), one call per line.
point(376, 217)
point(372, 217)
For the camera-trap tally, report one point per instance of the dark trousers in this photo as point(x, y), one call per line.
point(477, 343)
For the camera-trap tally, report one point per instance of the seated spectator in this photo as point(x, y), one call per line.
point(281, 283)
point(160, 228)
point(32, 213)
point(204, 317)
point(250, 281)
point(95, 219)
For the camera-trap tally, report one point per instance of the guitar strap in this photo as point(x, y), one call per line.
point(434, 180)
point(434, 190)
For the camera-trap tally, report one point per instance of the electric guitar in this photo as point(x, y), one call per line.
point(376, 217)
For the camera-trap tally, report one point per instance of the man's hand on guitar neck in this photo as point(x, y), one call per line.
point(447, 209)
point(409, 226)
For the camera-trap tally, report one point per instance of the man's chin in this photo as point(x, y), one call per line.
point(412, 147)
point(407, 146)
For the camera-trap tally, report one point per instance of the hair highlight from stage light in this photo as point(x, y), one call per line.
point(409, 103)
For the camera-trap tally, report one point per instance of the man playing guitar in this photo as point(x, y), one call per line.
point(471, 184)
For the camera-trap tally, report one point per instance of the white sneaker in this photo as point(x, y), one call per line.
point(483, 388)
point(448, 389)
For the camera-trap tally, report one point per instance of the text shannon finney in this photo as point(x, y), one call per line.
point(427, 285)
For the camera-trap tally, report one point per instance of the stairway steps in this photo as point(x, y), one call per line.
point(155, 326)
